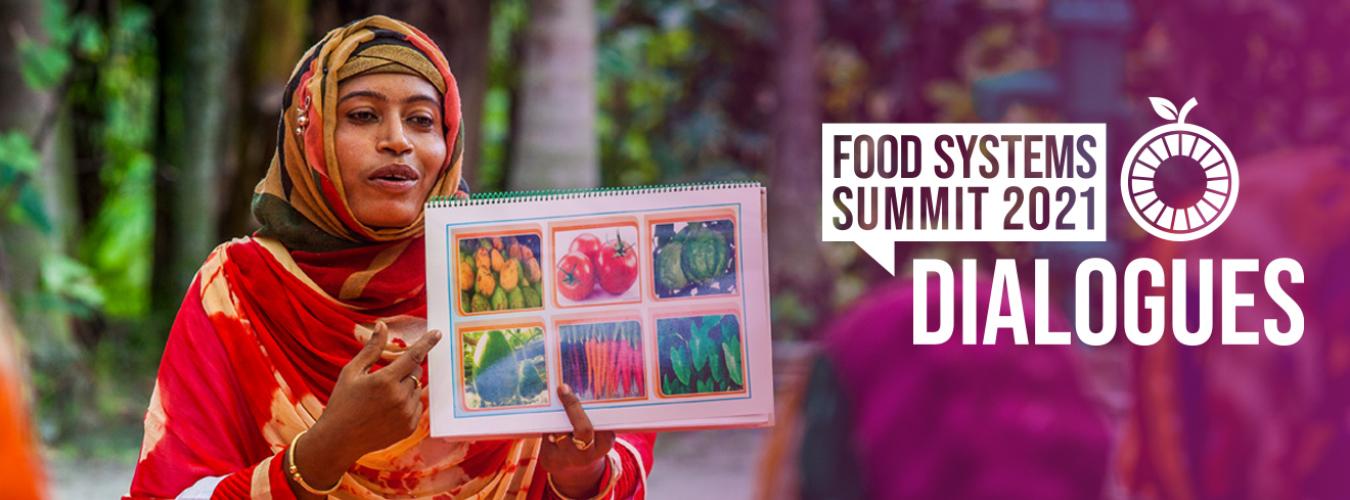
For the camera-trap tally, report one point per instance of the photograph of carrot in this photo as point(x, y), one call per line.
point(603, 360)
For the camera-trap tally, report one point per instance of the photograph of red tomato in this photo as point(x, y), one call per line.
point(595, 264)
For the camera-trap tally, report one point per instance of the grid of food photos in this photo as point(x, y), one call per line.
point(624, 309)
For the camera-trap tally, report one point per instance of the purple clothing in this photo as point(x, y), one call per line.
point(956, 421)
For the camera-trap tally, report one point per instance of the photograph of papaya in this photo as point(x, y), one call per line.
point(694, 258)
point(504, 368)
point(499, 273)
point(603, 361)
point(700, 354)
point(596, 265)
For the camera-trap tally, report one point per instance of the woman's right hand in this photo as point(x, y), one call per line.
point(368, 410)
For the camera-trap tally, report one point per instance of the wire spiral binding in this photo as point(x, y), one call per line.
point(563, 194)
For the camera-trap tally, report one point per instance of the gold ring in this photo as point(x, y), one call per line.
point(583, 445)
point(557, 438)
point(417, 380)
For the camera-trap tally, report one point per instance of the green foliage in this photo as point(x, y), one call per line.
point(112, 272)
point(508, 23)
point(679, 85)
point(117, 245)
point(17, 154)
point(18, 163)
point(68, 286)
point(45, 63)
point(42, 65)
point(99, 64)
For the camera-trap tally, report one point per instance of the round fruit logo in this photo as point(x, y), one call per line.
point(1180, 181)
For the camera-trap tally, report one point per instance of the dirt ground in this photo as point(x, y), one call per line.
point(688, 465)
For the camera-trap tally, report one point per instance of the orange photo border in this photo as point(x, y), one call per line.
point(702, 215)
point(603, 317)
point(696, 311)
point(512, 230)
point(461, 378)
point(588, 223)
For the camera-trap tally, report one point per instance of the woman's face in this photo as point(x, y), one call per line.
point(390, 146)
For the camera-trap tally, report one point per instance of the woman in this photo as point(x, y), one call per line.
point(294, 368)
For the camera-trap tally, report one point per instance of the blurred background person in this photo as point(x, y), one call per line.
point(881, 418)
point(1263, 421)
point(21, 475)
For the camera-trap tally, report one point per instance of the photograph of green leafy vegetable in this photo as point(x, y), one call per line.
point(504, 367)
point(499, 273)
point(700, 354)
point(694, 258)
point(603, 360)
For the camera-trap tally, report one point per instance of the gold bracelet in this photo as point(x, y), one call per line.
point(609, 488)
point(295, 471)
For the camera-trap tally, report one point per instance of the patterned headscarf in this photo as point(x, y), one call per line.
point(301, 201)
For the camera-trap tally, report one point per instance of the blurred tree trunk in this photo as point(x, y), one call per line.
point(195, 57)
point(800, 279)
point(556, 145)
point(276, 34)
point(469, 33)
point(33, 113)
point(24, 248)
point(21, 245)
point(511, 81)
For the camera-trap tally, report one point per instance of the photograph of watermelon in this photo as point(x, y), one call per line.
point(603, 361)
point(504, 368)
point(499, 273)
point(700, 354)
point(694, 258)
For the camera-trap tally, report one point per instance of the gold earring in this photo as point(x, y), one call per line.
point(302, 117)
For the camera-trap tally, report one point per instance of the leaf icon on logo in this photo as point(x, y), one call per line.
point(1163, 108)
point(1168, 111)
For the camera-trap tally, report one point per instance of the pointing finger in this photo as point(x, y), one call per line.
point(581, 423)
point(370, 353)
point(412, 358)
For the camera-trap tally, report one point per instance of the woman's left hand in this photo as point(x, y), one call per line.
point(576, 472)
